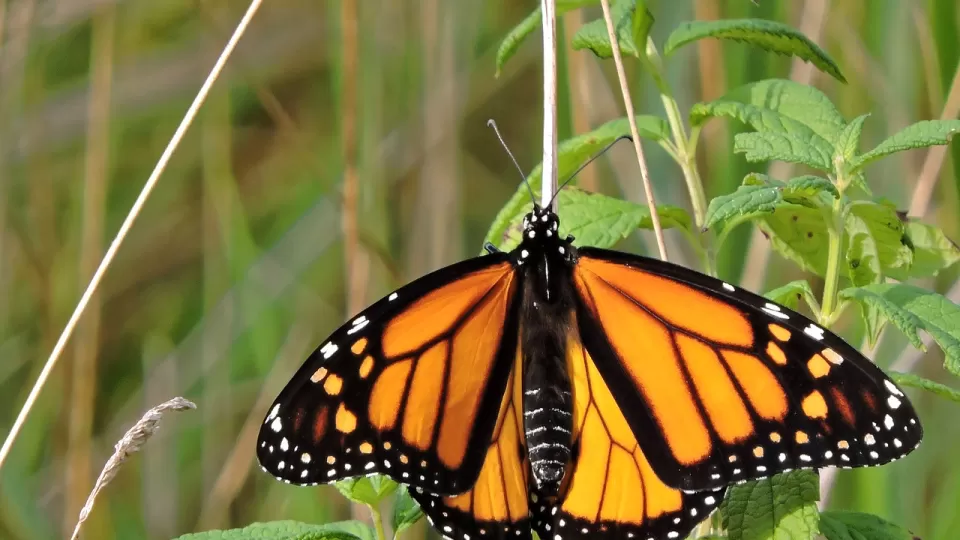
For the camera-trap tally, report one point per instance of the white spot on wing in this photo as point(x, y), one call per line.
point(392, 297)
point(729, 287)
point(277, 425)
point(814, 331)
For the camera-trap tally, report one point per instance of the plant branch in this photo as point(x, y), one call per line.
point(124, 229)
point(628, 104)
point(549, 182)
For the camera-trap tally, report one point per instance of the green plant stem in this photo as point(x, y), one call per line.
point(832, 277)
point(377, 522)
point(684, 153)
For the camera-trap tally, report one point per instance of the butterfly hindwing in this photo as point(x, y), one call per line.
point(726, 386)
point(496, 506)
point(410, 388)
point(612, 491)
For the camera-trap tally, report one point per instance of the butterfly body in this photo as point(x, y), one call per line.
point(544, 264)
point(580, 393)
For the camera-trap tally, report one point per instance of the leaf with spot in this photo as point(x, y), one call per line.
point(877, 245)
point(919, 135)
point(783, 506)
point(932, 250)
point(767, 35)
point(916, 381)
point(289, 530)
point(799, 234)
point(836, 525)
point(912, 309)
point(516, 36)
point(571, 155)
point(790, 294)
point(368, 490)
point(406, 511)
point(632, 21)
point(780, 106)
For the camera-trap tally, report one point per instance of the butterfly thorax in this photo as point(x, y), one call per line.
point(546, 264)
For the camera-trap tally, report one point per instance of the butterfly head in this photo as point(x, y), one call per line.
point(542, 242)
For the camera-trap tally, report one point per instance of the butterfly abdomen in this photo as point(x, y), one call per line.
point(547, 423)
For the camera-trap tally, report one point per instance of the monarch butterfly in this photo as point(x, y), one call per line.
point(578, 392)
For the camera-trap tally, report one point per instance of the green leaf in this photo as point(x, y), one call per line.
point(597, 220)
point(406, 511)
point(632, 21)
point(368, 490)
point(516, 36)
point(793, 104)
point(571, 155)
point(767, 35)
point(798, 233)
point(746, 201)
point(790, 294)
point(916, 381)
point(912, 309)
point(762, 147)
point(932, 250)
point(286, 530)
point(919, 135)
point(783, 506)
point(877, 245)
point(809, 189)
point(849, 141)
point(858, 526)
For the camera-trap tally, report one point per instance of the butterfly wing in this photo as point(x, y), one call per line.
point(411, 388)
point(612, 490)
point(725, 386)
point(496, 506)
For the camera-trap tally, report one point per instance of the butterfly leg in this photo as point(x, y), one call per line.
point(490, 248)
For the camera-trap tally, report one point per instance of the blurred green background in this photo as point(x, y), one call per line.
point(343, 152)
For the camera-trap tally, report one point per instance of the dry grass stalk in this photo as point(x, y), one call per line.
point(131, 443)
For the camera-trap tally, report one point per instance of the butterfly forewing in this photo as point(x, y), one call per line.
point(726, 386)
point(412, 387)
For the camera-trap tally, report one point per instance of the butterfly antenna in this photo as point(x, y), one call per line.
point(589, 161)
point(493, 124)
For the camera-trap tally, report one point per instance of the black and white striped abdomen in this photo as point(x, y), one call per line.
point(547, 421)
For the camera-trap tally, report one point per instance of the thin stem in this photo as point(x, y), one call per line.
point(549, 182)
point(686, 147)
point(377, 522)
point(125, 228)
point(832, 278)
point(628, 104)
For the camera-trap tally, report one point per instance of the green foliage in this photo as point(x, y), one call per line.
point(367, 490)
point(932, 250)
point(911, 309)
point(783, 506)
point(919, 135)
point(513, 40)
point(632, 21)
point(790, 295)
point(858, 526)
point(767, 35)
point(289, 530)
point(406, 511)
point(916, 381)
